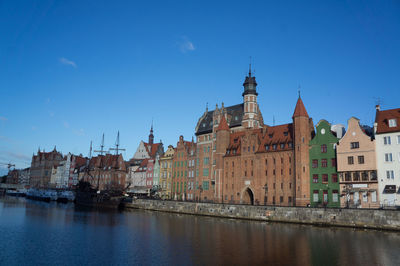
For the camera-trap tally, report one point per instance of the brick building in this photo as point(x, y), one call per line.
point(242, 160)
point(106, 172)
point(166, 162)
point(42, 165)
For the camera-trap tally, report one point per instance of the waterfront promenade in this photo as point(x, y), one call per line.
point(356, 218)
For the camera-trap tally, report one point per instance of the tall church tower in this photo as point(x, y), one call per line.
point(151, 136)
point(302, 128)
point(251, 115)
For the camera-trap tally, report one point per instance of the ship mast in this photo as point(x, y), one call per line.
point(117, 148)
point(101, 151)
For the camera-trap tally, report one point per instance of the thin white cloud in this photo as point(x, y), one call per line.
point(2, 118)
point(79, 132)
point(67, 62)
point(66, 124)
point(186, 45)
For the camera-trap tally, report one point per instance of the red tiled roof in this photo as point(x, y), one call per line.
point(300, 110)
point(142, 165)
point(382, 119)
point(223, 125)
point(153, 148)
point(281, 134)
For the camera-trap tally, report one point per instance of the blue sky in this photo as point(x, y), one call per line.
point(71, 70)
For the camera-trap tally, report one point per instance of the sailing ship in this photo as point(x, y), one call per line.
point(102, 183)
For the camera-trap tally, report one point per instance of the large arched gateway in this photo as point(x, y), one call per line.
point(248, 196)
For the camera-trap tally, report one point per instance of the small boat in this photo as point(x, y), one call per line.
point(65, 196)
point(39, 194)
point(16, 192)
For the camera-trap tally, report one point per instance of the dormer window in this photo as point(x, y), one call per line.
point(282, 145)
point(267, 147)
point(392, 122)
point(270, 136)
point(274, 146)
point(285, 133)
point(290, 144)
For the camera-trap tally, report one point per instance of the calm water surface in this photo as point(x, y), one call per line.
point(38, 233)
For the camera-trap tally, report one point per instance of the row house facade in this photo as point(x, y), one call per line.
point(241, 160)
point(166, 162)
point(106, 172)
point(387, 139)
point(324, 182)
point(64, 175)
point(41, 167)
point(184, 170)
point(356, 166)
point(146, 153)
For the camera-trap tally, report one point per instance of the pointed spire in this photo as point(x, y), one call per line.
point(300, 110)
point(55, 148)
point(223, 125)
point(151, 136)
point(250, 68)
point(38, 150)
point(250, 84)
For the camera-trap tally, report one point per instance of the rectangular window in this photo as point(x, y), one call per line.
point(205, 171)
point(361, 159)
point(315, 196)
point(390, 174)
point(323, 148)
point(325, 196)
point(354, 145)
point(373, 196)
point(388, 157)
point(280, 199)
point(333, 162)
point(335, 196)
point(347, 176)
point(356, 176)
point(314, 163)
point(324, 178)
point(334, 178)
point(205, 185)
point(398, 139)
point(387, 140)
point(350, 160)
point(392, 122)
point(315, 178)
point(324, 163)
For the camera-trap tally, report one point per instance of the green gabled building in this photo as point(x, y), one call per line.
point(324, 183)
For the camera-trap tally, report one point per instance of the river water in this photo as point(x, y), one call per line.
point(39, 233)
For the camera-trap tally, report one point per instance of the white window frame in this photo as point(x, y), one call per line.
point(392, 122)
point(387, 140)
point(388, 157)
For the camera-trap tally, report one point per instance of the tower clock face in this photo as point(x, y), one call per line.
point(323, 131)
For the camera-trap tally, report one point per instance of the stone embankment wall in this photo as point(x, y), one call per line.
point(358, 218)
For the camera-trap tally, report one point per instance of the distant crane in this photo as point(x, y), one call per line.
point(9, 165)
point(101, 151)
point(117, 149)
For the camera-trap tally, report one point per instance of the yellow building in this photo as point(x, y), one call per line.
point(166, 172)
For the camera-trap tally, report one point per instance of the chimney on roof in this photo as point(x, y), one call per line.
point(378, 107)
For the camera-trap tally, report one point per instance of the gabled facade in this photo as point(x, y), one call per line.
point(166, 162)
point(356, 166)
point(182, 179)
point(387, 134)
point(41, 167)
point(324, 183)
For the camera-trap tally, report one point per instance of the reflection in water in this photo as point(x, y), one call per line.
point(60, 234)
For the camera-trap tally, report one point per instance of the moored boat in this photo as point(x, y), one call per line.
point(65, 196)
point(90, 197)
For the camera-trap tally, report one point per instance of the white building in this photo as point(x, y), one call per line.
point(387, 134)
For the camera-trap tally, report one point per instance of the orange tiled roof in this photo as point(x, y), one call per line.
point(382, 119)
point(153, 150)
point(281, 134)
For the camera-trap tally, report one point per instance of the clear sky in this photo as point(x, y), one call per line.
point(71, 70)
